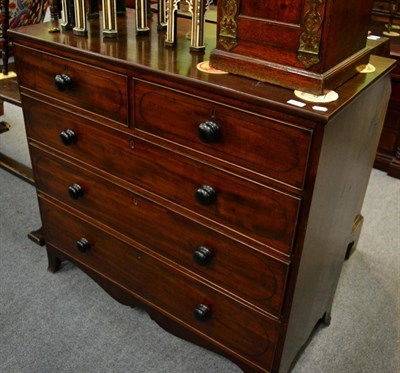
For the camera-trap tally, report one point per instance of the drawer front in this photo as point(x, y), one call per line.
point(92, 89)
point(233, 325)
point(217, 258)
point(262, 214)
point(259, 144)
point(381, 5)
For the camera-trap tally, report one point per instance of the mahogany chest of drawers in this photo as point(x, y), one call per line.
point(209, 200)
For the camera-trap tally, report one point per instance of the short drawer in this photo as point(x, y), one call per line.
point(260, 213)
point(207, 253)
point(93, 89)
point(203, 309)
point(262, 145)
point(381, 5)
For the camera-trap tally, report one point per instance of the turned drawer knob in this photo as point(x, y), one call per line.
point(62, 82)
point(68, 137)
point(202, 256)
point(83, 245)
point(202, 313)
point(206, 195)
point(75, 191)
point(209, 131)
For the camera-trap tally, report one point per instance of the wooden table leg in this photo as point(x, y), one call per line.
point(4, 35)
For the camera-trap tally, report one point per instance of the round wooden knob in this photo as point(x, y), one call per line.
point(68, 137)
point(202, 255)
point(63, 82)
point(75, 191)
point(209, 132)
point(202, 313)
point(83, 245)
point(206, 195)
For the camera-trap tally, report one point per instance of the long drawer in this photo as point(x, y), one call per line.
point(204, 251)
point(201, 308)
point(92, 89)
point(263, 145)
point(260, 213)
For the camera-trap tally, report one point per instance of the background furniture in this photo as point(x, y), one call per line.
point(210, 200)
point(4, 22)
point(14, 14)
point(9, 92)
point(388, 154)
point(386, 11)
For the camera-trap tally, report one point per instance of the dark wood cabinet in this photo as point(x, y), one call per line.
point(211, 201)
point(311, 45)
point(388, 153)
point(385, 11)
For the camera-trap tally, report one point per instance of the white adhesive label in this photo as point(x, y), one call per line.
point(320, 108)
point(296, 103)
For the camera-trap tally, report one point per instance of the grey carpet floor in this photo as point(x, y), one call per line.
point(65, 323)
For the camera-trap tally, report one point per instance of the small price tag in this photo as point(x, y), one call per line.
point(296, 103)
point(319, 108)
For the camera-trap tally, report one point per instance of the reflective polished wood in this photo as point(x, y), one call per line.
point(212, 201)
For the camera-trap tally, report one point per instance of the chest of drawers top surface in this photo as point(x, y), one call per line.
point(148, 58)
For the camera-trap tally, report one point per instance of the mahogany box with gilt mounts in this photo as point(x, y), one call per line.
point(311, 45)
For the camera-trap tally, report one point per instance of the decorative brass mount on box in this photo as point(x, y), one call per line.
point(311, 45)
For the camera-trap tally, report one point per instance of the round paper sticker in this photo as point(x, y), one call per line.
point(328, 97)
point(365, 69)
point(206, 68)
